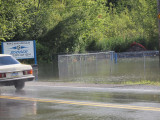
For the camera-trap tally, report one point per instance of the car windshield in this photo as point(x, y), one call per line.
point(8, 60)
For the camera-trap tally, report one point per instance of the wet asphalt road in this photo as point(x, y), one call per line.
point(50, 101)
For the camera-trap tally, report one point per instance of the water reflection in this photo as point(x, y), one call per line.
point(48, 72)
point(20, 92)
point(108, 96)
point(12, 109)
point(101, 70)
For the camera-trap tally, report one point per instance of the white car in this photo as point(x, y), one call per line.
point(12, 72)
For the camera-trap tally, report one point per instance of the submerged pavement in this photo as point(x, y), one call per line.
point(76, 101)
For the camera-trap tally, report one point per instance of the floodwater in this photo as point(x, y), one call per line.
point(48, 72)
point(47, 102)
point(102, 71)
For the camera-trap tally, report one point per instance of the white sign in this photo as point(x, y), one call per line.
point(19, 49)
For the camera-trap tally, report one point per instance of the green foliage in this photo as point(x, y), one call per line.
point(131, 21)
point(15, 17)
point(72, 26)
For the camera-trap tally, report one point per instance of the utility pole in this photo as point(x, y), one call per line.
point(158, 6)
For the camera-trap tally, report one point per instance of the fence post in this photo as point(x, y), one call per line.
point(115, 58)
point(111, 55)
point(144, 57)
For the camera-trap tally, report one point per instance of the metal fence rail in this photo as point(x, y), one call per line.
point(137, 54)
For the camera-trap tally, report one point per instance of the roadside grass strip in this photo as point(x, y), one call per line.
point(93, 104)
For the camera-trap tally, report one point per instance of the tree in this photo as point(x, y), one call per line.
point(16, 18)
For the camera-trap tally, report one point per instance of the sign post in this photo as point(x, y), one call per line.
point(20, 49)
point(35, 55)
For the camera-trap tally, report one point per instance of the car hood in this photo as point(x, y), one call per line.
point(15, 67)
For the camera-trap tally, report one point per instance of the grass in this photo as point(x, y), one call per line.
point(128, 82)
point(148, 82)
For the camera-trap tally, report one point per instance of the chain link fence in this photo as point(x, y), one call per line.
point(110, 66)
point(78, 65)
point(138, 66)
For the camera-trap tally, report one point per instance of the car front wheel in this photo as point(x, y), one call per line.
point(19, 85)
